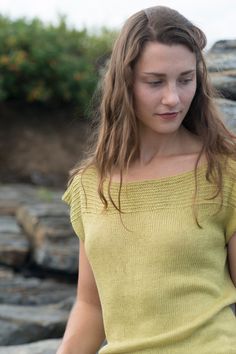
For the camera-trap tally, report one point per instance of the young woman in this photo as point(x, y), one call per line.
point(154, 204)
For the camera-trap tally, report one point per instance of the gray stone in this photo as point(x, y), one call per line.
point(217, 62)
point(228, 108)
point(225, 83)
point(30, 215)
point(48, 346)
point(14, 246)
point(224, 46)
point(19, 290)
point(24, 324)
point(54, 245)
point(61, 256)
point(14, 195)
point(11, 197)
point(222, 56)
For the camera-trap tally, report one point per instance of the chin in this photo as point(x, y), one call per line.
point(168, 130)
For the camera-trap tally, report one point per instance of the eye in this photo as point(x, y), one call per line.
point(185, 81)
point(154, 83)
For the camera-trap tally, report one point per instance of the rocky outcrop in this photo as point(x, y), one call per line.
point(221, 62)
point(40, 347)
point(17, 289)
point(23, 324)
point(49, 233)
point(38, 257)
point(225, 83)
point(228, 109)
point(14, 247)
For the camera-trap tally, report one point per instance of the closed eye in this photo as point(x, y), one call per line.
point(154, 83)
point(185, 81)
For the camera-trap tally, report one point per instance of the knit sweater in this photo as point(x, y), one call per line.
point(163, 282)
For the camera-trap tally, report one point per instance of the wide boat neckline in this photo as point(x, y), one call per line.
point(177, 176)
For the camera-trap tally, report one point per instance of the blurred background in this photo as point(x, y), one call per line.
point(52, 55)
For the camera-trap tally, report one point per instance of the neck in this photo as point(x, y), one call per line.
point(164, 145)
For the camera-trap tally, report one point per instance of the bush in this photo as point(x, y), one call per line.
point(50, 64)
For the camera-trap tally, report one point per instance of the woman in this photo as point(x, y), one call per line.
point(154, 204)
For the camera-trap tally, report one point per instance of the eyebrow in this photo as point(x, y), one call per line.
point(162, 74)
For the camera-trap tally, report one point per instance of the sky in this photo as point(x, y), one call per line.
point(216, 18)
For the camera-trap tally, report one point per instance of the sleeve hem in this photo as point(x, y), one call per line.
point(79, 231)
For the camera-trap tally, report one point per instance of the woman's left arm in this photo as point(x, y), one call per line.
point(232, 257)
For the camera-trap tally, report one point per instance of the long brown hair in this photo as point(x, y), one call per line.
point(117, 140)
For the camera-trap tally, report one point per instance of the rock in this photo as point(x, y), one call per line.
point(51, 236)
point(224, 46)
point(19, 290)
point(14, 247)
point(60, 256)
point(11, 196)
point(48, 346)
point(14, 195)
point(40, 347)
point(31, 215)
point(217, 62)
point(221, 63)
point(222, 56)
point(24, 324)
point(228, 108)
point(225, 83)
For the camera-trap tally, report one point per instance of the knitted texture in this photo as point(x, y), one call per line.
point(163, 282)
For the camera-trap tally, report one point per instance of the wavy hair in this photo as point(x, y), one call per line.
point(116, 144)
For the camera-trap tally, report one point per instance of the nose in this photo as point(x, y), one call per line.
point(170, 96)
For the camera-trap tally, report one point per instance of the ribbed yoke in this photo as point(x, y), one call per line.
point(163, 282)
point(142, 195)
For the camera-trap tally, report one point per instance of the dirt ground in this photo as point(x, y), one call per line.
point(39, 145)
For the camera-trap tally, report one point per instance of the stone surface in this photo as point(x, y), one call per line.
point(14, 195)
point(222, 56)
point(225, 83)
point(60, 256)
point(52, 239)
point(19, 290)
point(31, 214)
point(224, 46)
point(221, 63)
point(217, 62)
point(24, 324)
point(14, 246)
point(228, 108)
point(48, 346)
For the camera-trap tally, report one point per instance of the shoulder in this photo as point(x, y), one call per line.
point(231, 167)
point(229, 182)
point(81, 182)
point(229, 173)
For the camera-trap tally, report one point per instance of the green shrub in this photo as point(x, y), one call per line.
point(50, 64)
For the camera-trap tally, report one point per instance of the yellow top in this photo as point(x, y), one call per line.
point(163, 282)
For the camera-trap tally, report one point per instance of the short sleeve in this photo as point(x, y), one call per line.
point(72, 197)
point(231, 208)
point(231, 224)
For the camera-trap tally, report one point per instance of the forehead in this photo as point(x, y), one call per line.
point(163, 58)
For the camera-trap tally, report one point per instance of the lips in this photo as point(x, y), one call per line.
point(167, 115)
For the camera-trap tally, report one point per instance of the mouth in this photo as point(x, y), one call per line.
point(167, 115)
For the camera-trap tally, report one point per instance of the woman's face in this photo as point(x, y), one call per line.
point(164, 87)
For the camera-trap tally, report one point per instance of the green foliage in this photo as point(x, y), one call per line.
point(50, 64)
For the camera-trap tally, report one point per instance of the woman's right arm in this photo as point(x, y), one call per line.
point(84, 332)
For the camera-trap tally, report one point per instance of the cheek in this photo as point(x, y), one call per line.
point(189, 95)
point(145, 97)
point(141, 97)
